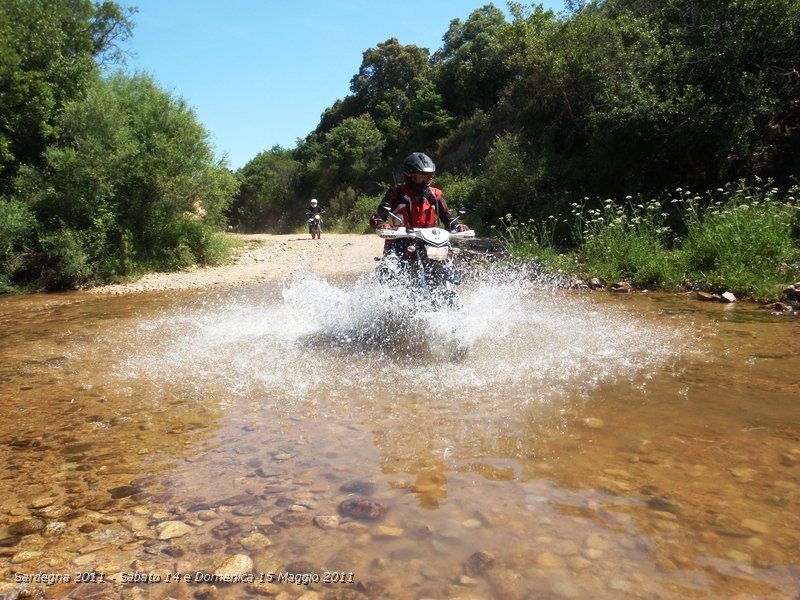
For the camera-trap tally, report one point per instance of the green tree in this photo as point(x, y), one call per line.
point(267, 200)
point(510, 182)
point(48, 54)
point(472, 70)
point(348, 156)
point(639, 95)
point(429, 119)
point(131, 184)
point(386, 86)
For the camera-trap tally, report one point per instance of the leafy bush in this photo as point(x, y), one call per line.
point(459, 192)
point(357, 219)
point(130, 184)
point(17, 225)
point(64, 261)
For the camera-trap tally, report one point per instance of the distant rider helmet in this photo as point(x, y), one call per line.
point(419, 170)
point(313, 202)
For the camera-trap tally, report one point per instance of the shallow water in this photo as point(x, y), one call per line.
point(585, 445)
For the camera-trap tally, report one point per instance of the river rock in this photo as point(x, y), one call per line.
point(54, 528)
point(385, 531)
point(25, 556)
point(707, 297)
point(620, 287)
point(743, 474)
point(248, 510)
point(52, 511)
point(263, 589)
point(8, 542)
point(43, 501)
point(479, 562)
point(124, 491)
point(289, 518)
point(207, 515)
point(778, 307)
point(548, 560)
point(326, 521)
point(255, 541)
point(308, 503)
point(755, 525)
point(360, 487)
point(507, 584)
point(27, 526)
point(172, 529)
point(595, 283)
point(362, 508)
point(238, 564)
point(663, 504)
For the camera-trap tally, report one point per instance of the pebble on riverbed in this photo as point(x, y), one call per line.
point(362, 508)
point(238, 564)
point(172, 529)
point(326, 521)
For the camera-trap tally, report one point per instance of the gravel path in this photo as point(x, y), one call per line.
point(265, 257)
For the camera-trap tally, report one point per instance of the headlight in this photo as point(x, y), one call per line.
point(439, 254)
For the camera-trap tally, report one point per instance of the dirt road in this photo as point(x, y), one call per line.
point(267, 257)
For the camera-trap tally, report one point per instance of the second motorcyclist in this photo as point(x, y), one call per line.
point(314, 215)
point(416, 201)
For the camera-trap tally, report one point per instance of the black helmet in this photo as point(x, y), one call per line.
point(418, 162)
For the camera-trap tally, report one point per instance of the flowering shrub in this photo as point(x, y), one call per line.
point(742, 238)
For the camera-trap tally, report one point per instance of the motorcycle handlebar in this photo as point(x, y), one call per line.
point(402, 232)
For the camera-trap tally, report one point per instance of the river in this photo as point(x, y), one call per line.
point(586, 445)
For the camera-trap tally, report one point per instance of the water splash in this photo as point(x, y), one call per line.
point(509, 335)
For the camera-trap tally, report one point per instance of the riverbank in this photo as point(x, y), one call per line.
point(264, 257)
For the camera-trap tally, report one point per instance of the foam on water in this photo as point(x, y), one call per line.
point(339, 339)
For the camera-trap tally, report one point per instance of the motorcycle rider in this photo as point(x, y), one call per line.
point(312, 210)
point(416, 201)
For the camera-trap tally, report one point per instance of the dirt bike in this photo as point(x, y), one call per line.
point(315, 225)
point(425, 263)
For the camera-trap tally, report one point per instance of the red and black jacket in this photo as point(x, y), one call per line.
point(416, 210)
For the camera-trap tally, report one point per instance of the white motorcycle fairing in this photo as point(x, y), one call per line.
point(432, 236)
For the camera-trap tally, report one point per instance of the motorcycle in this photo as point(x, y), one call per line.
point(425, 264)
point(315, 225)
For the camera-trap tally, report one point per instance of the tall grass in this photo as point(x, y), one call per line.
point(743, 238)
point(627, 240)
point(532, 241)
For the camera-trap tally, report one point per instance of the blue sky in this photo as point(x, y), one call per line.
point(259, 73)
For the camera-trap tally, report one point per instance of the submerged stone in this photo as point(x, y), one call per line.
point(172, 529)
point(27, 526)
point(362, 508)
point(360, 487)
point(124, 491)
